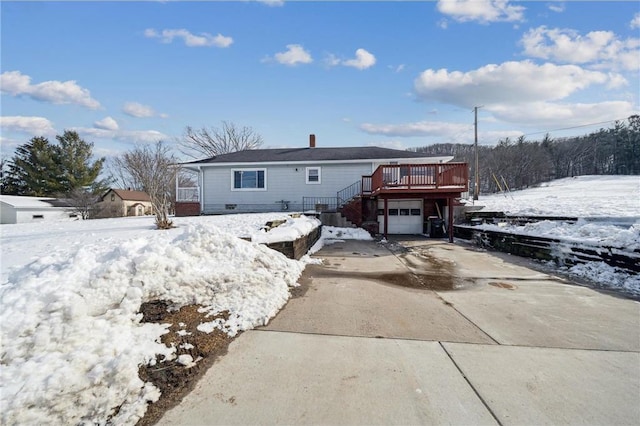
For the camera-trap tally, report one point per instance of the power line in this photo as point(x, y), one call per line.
point(574, 127)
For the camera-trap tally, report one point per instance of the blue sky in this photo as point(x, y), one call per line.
point(394, 74)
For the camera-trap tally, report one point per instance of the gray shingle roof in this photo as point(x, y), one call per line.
point(310, 154)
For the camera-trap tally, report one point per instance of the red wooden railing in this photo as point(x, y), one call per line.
point(444, 176)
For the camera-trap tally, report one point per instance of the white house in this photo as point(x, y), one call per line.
point(391, 191)
point(19, 209)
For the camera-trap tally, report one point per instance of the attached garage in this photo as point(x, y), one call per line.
point(405, 216)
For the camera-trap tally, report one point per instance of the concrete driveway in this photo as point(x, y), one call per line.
point(420, 331)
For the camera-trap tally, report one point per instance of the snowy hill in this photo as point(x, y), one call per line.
point(580, 196)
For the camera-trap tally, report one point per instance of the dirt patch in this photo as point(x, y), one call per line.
point(173, 379)
point(501, 284)
point(415, 280)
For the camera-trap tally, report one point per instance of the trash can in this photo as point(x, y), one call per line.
point(436, 227)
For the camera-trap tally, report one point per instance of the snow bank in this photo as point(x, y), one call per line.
point(602, 234)
point(72, 339)
point(292, 229)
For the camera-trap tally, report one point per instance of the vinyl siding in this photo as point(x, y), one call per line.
point(283, 182)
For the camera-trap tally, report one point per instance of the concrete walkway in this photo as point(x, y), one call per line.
point(428, 333)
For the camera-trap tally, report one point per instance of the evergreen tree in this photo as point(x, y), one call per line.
point(73, 155)
point(33, 170)
point(42, 169)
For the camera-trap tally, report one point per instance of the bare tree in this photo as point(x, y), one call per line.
point(84, 202)
point(210, 142)
point(154, 168)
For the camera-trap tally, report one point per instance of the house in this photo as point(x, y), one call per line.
point(123, 202)
point(386, 191)
point(21, 209)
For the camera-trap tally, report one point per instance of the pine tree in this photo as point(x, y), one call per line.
point(73, 155)
point(33, 170)
point(42, 169)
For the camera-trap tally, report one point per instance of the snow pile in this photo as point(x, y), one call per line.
point(580, 196)
point(291, 230)
point(583, 232)
point(607, 277)
point(72, 339)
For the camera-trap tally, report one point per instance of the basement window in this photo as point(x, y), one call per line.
point(313, 175)
point(37, 216)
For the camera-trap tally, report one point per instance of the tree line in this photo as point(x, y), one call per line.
point(66, 169)
point(519, 164)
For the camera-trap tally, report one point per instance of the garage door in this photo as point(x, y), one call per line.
point(405, 216)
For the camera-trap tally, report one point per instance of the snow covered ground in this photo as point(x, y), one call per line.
point(608, 208)
point(71, 336)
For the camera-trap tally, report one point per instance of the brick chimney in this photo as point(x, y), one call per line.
point(312, 141)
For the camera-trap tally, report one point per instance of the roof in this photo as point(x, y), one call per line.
point(24, 202)
point(313, 155)
point(128, 195)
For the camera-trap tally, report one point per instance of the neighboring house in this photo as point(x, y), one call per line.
point(123, 202)
point(20, 209)
point(385, 190)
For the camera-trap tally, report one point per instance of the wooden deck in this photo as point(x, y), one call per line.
point(417, 178)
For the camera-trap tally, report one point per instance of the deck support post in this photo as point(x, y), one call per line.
point(386, 217)
point(450, 218)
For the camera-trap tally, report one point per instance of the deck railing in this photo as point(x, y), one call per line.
point(190, 194)
point(453, 176)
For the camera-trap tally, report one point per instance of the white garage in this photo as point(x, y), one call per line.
point(405, 216)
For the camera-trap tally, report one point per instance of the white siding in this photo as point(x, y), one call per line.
point(284, 182)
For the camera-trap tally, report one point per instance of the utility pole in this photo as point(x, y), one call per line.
point(476, 182)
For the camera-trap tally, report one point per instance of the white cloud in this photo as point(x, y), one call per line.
point(138, 110)
point(107, 123)
point(58, 92)
point(272, 3)
point(35, 126)
point(601, 49)
point(559, 115)
point(420, 128)
point(400, 68)
point(190, 40)
point(362, 61)
point(510, 83)
point(331, 60)
point(557, 7)
point(294, 55)
point(144, 136)
point(635, 22)
point(483, 11)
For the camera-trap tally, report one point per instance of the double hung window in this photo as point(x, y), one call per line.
point(314, 175)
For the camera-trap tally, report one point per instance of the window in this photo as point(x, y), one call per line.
point(415, 212)
point(404, 212)
point(38, 216)
point(248, 180)
point(393, 212)
point(113, 197)
point(313, 175)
